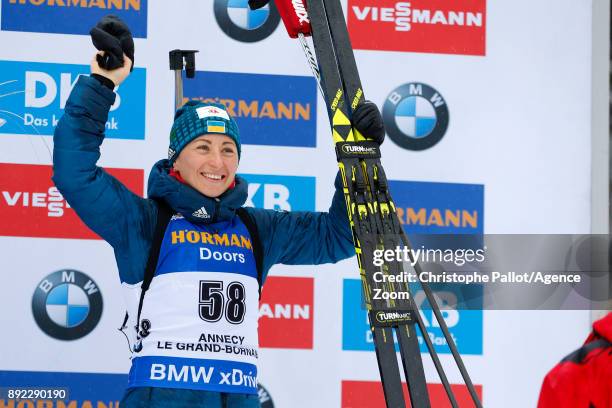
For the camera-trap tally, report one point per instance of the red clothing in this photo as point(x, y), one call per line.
point(583, 379)
point(177, 176)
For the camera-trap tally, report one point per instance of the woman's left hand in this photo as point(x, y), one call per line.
point(368, 121)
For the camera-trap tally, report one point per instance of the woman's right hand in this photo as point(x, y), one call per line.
point(116, 75)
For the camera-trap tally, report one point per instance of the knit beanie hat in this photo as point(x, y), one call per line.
point(197, 118)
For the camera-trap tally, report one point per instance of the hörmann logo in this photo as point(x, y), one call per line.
point(71, 16)
point(446, 26)
point(35, 95)
point(438, 217)
point(273, 110)
point(439, 208)
point(239, 22)
point(286, 313)
point(27, 193)
point(201, 237)
point(256, 109)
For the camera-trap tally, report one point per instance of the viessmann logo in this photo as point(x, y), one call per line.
point(286, 313)
point(443, 26)
point(71, 16)
point(31, 206)
point(35, 95)
point(273, 110)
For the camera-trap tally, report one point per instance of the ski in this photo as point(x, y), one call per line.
point(369, 206)
point(393, 231)
point(371, 211)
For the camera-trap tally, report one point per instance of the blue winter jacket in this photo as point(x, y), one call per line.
point(127, 221)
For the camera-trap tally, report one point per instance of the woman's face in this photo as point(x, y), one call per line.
point(209, 164)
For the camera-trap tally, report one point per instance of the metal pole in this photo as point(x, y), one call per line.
point(180, 59)
point(449, 340)
point(178, 89)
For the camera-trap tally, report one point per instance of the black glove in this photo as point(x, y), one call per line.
point(112, 36)
point(368, 121)
point(257, 4)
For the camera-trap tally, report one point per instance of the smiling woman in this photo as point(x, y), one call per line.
point(205, 147)
point(208, 164)
point(192, 246)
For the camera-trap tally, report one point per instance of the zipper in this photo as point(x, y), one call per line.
point(217, 205)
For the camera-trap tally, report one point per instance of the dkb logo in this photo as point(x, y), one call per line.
point(282, 193)
point(35, 95)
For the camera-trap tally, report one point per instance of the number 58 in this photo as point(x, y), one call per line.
point(213, 303)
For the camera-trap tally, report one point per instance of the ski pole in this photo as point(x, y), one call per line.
point(449, 339)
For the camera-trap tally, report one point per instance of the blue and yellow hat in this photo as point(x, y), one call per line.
point(197, 118)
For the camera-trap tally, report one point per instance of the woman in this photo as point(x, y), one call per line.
point(194, 335)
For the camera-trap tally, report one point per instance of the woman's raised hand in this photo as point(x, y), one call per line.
point(117, 75)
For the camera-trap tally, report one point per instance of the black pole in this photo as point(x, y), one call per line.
point(180, 59)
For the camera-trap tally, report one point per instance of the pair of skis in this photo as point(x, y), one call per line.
point(372, 214)
point(371, 211)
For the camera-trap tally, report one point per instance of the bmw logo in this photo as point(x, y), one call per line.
point(67, 304)
point(415, 116)
point(241, 23)
point(265, 400)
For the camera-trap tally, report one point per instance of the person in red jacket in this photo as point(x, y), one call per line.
point(583, 379)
